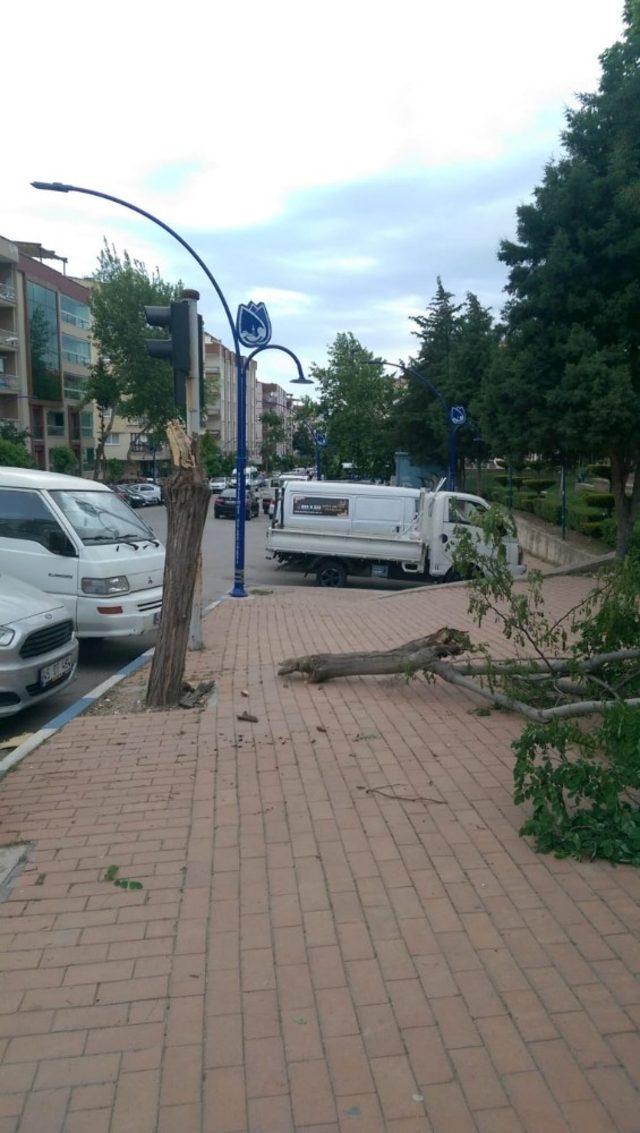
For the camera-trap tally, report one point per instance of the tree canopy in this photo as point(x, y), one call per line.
point(356, 397)
point(126, 380)
point(568, 378)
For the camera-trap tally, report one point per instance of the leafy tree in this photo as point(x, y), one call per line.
point(273, 434)
point(102, 389)
point(356, 398)
point(212, 459)
point(125, 379)
point(114, 470)
point(64, 460)
point(458, 342)
point(13, 454)
point(571, 361)
point(305, 418)
point(9, 431)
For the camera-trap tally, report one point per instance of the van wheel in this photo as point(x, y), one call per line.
point(331, 573)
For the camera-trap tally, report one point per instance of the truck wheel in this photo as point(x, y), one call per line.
point(331, 573)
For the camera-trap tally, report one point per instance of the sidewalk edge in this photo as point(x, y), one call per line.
point(79, 706)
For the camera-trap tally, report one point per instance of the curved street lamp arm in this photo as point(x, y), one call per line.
point(285, 350)
point(59, 187)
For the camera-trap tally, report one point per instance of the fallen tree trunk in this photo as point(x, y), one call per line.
point(415, 655)
point(427, 654)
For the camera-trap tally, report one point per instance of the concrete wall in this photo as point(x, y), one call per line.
point(543, 541)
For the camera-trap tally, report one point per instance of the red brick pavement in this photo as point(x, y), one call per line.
point(305, 953)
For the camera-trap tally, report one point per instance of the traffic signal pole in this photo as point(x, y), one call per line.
point(194, 427)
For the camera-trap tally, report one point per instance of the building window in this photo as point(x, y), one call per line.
point(43, 342)
point(77, 350)
point(112, 439)
point(55, 423)
point(75, 313)
point(86, 424)
point(88, 457)
point(74, 386)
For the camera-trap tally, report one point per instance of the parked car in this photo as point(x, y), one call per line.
point(38, 648)
point(218, 485)
point(224, 505)
point(129, 495)
point(150, 493)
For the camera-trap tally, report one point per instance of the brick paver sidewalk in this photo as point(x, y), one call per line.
point(308, 952)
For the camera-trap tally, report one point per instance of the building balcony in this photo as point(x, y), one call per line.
point(7, 293)
point(8, 340)
point(9, 383)
point(75, 359)
point(74, 320)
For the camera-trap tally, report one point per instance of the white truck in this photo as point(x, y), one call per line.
point(335, 529)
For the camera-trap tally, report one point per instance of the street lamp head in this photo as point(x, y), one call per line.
point(300, 380)
point(52, 186)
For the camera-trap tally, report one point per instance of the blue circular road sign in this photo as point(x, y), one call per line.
point(457, 415)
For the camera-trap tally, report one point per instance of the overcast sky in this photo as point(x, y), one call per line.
point(331, 159)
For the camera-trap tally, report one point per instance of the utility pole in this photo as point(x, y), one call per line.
point(194, 426)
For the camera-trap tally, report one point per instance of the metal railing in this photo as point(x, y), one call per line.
point(77, 359)
point(74, 320)
point(8, 339)
point(7, 291)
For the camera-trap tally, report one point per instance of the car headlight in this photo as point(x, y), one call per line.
point(119, 584)
point(6, 635)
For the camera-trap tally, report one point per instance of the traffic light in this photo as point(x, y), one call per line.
point(176, 348)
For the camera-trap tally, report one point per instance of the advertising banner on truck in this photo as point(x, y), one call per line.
point(321, 505)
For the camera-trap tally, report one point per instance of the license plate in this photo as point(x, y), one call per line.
point(55, 672)
point(156, 618)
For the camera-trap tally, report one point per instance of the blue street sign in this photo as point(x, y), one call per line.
point(457, 415)
point(253, 324)
point(320, 439)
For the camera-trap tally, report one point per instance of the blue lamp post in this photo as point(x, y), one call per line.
point(252, 328)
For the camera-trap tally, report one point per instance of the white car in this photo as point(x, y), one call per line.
point(150, 492)
point(38, 648)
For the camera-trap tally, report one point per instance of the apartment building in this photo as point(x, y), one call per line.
point(220, 398)
point(14, 402)
point(45, 353)
point(275, 399)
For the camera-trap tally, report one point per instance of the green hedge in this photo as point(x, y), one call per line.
point(538, 485)
point(600, 471)
point(603, 500)
point(503, 480)
point(548, 509)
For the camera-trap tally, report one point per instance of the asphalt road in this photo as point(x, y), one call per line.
point(98, 660)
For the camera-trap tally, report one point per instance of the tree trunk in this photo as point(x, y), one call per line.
point(409, 658)
point(187, 496)
point(627, 507)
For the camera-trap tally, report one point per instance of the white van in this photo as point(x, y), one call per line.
point(341, 528)
point(77, 540)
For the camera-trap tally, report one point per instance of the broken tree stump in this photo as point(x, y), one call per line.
point(408, 658)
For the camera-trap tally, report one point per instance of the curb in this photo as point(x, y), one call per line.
point(79, 706)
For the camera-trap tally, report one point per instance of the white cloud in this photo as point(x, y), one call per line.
point(258, 100)
point(280, 301)
point(215, 115)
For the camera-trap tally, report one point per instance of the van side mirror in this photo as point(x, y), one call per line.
point(59, 544)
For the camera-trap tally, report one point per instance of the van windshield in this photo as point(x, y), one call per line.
point(101, 517)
